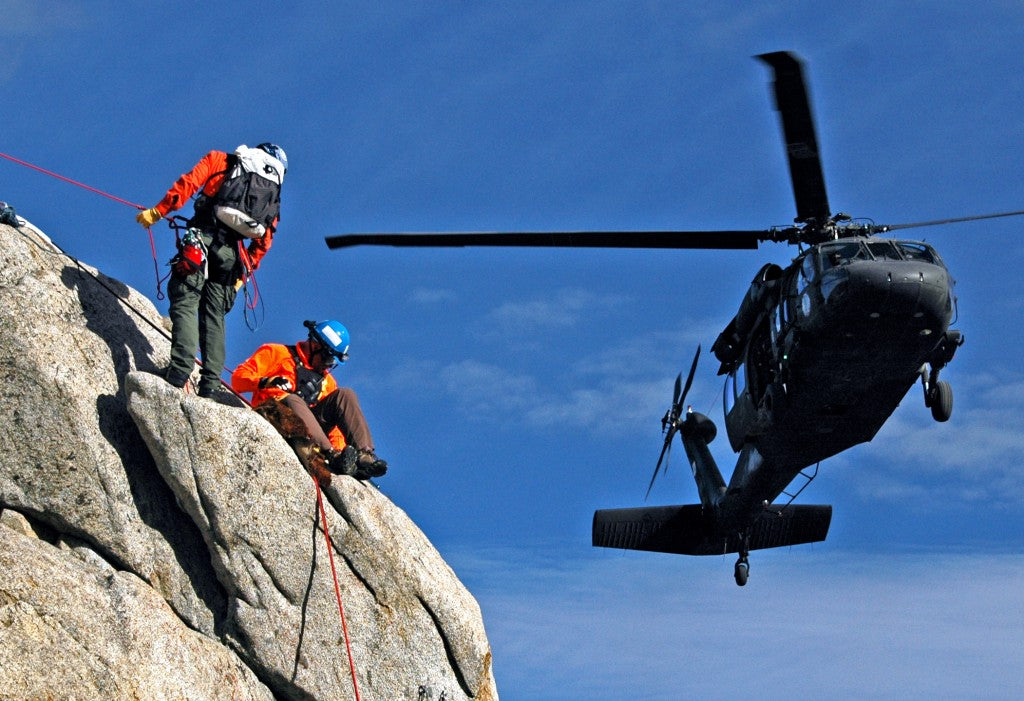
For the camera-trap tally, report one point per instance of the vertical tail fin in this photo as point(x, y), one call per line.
point(696, 432)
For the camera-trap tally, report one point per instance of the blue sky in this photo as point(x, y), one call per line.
point(513, 391)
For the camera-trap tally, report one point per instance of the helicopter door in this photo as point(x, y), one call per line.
point(740, 411)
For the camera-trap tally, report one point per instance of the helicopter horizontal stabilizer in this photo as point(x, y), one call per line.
point(684, 530)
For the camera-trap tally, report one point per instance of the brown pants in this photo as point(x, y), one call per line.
point(338, 409)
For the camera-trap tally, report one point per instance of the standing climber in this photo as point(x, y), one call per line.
point(239, 199)
point(299, 376)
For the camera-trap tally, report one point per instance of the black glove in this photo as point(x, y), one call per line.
point(276, 382)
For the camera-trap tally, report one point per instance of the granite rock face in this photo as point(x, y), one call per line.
point(158, 545)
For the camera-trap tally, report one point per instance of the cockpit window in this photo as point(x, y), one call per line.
point(840, 252)
point(807, 268)
point(913, 250)
point(883, 250)
point(833, 254)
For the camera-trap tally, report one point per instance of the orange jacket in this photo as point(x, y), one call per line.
point(208, 174)
point(271, 360)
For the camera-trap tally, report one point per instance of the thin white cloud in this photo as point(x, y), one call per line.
point(28, 20)
point(433, 296)
point(23, 18)
point(487, 391)
point(810, 624)
point(562, 308)
point(976, 454)
point(624, 389)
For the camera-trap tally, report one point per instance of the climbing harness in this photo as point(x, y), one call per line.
point(308, 383)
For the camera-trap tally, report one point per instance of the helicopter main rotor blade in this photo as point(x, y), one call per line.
point(740, 239)
point(801, 141)
point(938, 222)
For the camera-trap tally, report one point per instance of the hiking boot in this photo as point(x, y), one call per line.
point(369, 465)
point(175, 379)
point(343, 462)
point(220, 395)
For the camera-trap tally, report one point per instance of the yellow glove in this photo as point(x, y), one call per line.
point(148, 217)
point(238, 284)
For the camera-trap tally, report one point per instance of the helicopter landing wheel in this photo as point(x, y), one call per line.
point(742, 571)
point(941, 401)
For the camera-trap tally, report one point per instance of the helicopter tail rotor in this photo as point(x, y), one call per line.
point(673, 418)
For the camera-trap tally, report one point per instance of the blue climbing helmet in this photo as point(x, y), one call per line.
point(278, 153)
point(332, 335)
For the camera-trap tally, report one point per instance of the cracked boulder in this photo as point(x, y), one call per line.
point(70, 456)
point(87, 631)
point(157, 545)
point(410, 621)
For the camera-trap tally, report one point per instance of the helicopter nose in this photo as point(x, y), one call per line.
point(904, 290)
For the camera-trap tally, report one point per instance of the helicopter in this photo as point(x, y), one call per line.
point(816, 359)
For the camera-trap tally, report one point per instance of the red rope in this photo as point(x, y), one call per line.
point(69, 180)
point(152, 244)
point(337, 589)
point(248, 274)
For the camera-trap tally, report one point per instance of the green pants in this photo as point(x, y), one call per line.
point(197, 310)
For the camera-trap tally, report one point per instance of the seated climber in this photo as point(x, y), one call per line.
point(299, 377)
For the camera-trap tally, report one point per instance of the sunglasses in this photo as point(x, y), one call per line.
point(333, 357)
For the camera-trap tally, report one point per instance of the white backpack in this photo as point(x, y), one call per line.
point(249, 199)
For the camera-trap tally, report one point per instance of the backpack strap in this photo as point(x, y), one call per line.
point(202, 203)
point(308, 383)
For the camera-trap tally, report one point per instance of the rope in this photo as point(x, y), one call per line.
point(152, 245)
point(337, 589)
point(69, 180)
point(159, 329)
point(249, 274)
point(115, 198)
point(156, 269)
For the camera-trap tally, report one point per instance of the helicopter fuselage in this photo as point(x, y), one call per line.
point(822, 352)
point(817, 358)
